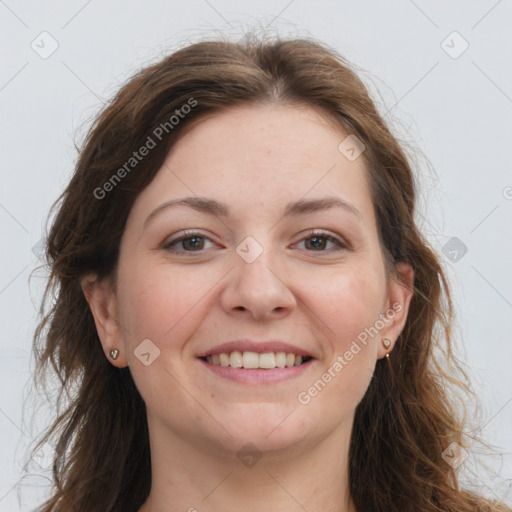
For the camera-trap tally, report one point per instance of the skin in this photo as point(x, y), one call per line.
point(256, 159)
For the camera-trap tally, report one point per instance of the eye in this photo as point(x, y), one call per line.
point(317, 241)
point(193, 241)
point(190, 242)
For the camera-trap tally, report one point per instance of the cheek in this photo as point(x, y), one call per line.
point(360, 299)
point(160, 302)
point(347, 303)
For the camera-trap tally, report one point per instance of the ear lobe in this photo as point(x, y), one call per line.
point(396, 307)
point(103, 305)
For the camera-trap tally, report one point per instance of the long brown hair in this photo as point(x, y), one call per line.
point(408, 416)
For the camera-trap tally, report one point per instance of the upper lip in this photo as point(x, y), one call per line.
point(255, 346)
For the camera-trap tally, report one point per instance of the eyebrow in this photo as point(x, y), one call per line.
point(219, 209)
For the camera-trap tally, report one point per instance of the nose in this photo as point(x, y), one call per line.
point(258, 289)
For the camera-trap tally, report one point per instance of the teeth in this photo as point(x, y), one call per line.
point(280, 359)
point(253, 360)
point(250, 360)
point(235, 360)
point(267, 360)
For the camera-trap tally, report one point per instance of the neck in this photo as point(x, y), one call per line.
point(306, 476)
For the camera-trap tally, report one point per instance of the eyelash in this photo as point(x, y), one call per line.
point(312, 234)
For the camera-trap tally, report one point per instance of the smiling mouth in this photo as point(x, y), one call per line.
point(255, 361)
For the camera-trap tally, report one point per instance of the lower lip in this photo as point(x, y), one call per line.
point(257, 376)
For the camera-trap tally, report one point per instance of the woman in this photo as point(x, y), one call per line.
point(246, 314)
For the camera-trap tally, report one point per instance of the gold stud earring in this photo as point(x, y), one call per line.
point(387, 343)
point(114, 353)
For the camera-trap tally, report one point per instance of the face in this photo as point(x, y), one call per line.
point(272, 267)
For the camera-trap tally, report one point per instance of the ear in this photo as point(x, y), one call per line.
point(103, 305)
point(396, 306)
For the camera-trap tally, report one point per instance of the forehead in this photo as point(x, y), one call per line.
point(261, 134)
point(260, 155)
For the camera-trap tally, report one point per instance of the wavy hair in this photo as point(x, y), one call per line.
point(408, 415)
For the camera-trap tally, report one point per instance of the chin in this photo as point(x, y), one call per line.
point(267, 426)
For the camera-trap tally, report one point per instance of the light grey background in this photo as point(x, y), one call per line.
point(454, 106)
